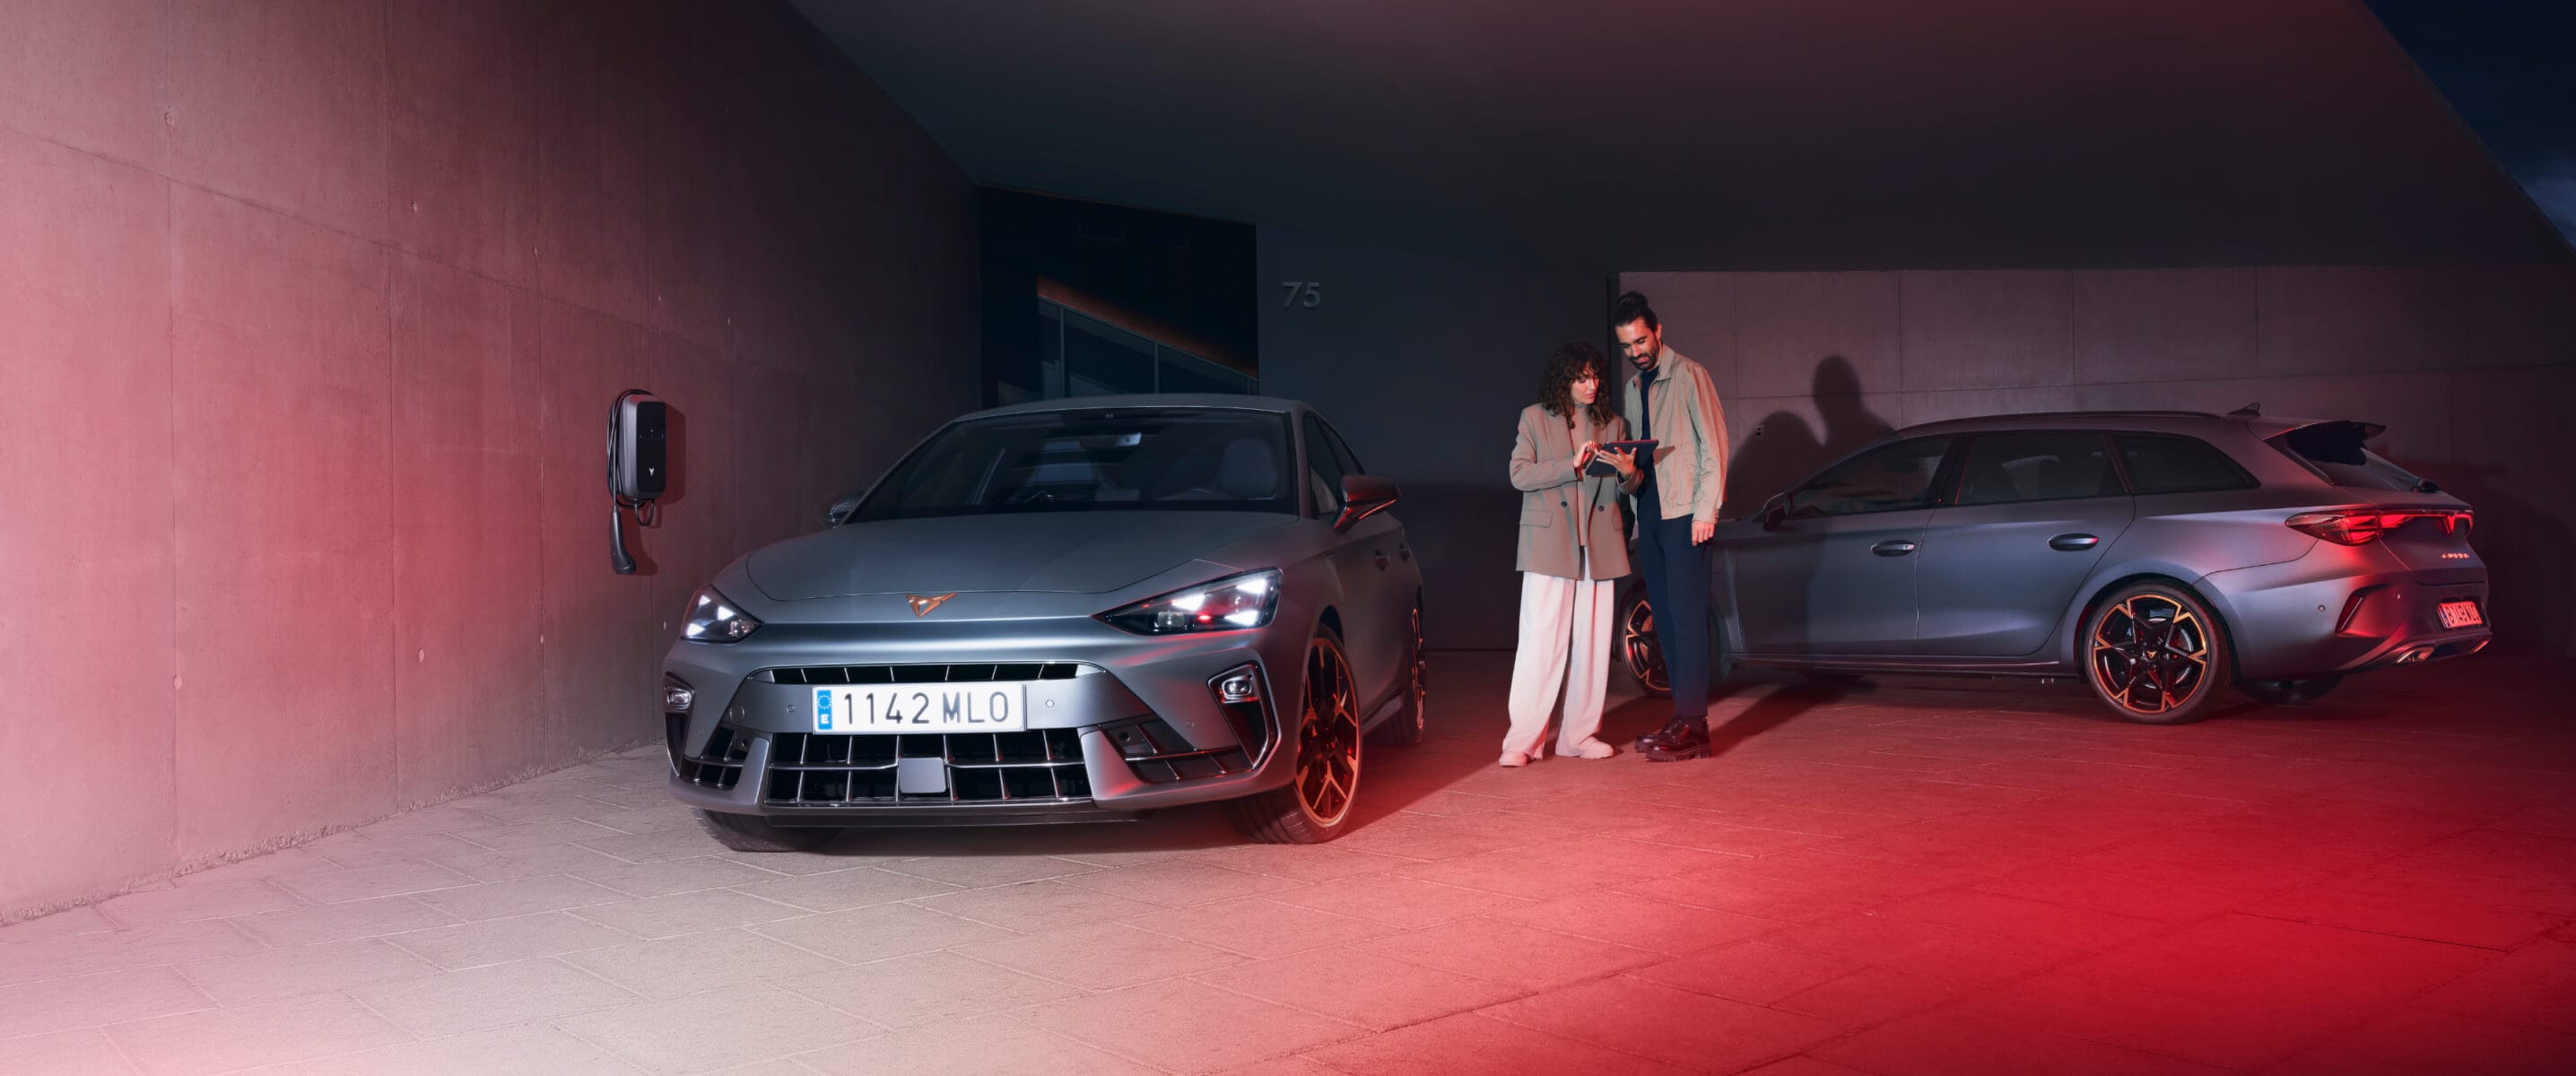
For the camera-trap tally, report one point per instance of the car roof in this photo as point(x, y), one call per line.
point(2200, 422)
point(1211, 400)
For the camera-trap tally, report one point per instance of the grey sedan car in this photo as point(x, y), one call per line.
point(1074, 610)
point(2160, 556)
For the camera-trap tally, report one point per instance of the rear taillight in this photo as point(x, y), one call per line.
point(2361, 526)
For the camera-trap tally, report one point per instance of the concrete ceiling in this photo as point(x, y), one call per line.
point(1723, 134)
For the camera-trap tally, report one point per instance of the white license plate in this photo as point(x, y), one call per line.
point(2461, 615)
point(991, 707)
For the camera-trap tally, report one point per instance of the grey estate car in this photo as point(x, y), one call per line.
point(2160, 556)
point(1063, 611)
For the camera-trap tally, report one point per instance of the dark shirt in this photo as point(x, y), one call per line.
point(1646, 430)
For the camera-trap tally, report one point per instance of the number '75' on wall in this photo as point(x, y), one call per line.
point(1306, 293)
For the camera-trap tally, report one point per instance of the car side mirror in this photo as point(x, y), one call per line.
point(838, 512)
point(1363, 495)
point(1775, 511)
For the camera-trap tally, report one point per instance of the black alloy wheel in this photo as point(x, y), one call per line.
point(2156, 655)
point(1316, 806)
point(1643, 653)
point(1409, 724)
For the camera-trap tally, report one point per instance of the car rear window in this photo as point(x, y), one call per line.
point(2165, 463)
point(2336, 450)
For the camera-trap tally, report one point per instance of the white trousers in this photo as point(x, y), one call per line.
point(1559, 615)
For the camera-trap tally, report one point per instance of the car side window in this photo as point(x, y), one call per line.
point(1323, 470)
point(1342, 454)
point(2036, 465)
point(2168, 463)
point(1888, 479)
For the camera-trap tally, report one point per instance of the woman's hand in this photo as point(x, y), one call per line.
point(1583, 454)
point(1624, 460)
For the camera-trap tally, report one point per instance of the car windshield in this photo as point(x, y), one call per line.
point(2335, 449)
point(1090, 460)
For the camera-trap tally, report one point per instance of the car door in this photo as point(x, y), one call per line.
point(2033, 511)
point(1835, 573)
point(1361, 558)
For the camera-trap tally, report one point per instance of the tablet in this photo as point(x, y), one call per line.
point(1645, 451)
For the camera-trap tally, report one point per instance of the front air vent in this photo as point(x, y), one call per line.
point(824, 770)
point(720, 765)
point(958, 673)
point(1158, 754)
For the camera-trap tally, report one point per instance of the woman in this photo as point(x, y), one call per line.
point(1571, 547)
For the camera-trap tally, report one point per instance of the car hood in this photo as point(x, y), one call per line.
point(1069, 552)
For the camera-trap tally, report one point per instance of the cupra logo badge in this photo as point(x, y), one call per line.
point(922, 605)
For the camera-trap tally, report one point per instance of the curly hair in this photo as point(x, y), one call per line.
point(1564, 368)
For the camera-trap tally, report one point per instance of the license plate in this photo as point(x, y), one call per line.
point(993, 707)
point(2461, 615)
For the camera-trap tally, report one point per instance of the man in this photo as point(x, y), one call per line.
point(1671, 400)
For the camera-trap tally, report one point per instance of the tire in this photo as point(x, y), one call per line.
point(750, 833)
point(1315, 805)
point(1641, 652)
point(1406, 728)
point(2288, 692)
point(2156, 654)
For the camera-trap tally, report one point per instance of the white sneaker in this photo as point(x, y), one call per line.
point(1591, 747)
point(1515, 759)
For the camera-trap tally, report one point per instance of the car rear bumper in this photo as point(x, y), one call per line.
point(2343, 609)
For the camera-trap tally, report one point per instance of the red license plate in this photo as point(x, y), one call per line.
point(2461, 615)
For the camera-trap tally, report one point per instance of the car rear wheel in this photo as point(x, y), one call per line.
point(1642, 651)
point(2156, 654)
point(1405, 729)
point(2288, 692)
point(749, 833)
point(1316, 806)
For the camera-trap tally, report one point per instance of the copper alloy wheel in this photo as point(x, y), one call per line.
point(1644, 654)
point(1421, 672)
point(2151, 654)
point(1328, 744)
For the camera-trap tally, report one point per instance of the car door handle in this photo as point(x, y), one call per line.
point(2073, 543)
point(1892, 549)
point(1381, 560)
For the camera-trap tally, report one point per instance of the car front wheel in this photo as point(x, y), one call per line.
point(2156, 654)
point(1316, 806)
point(1406, 728)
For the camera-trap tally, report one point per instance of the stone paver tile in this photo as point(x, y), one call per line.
point(317, 923)
point(1753, 971)
point(1180, 884)
point(926, 988)
point(1473, 1042)
point(364, 883)
point(1258, 926)
point(887, 930)
point(857, 887)
point(1404, 903)
point(1192, 1028)
point(663, 878)
point(273, 1033)
point(499, 941)
point(720, 1027)
point(207, 900)
point(1512, 954)
point(92, 1000)
point(1039, 905)
point(975, 871)
point(688, 913)
point(523, 1050)
point(1300, 862)
point(1101, 956)
point(1359, 987)
point(1691, 1030)
point(64, 956)
point(672, 967)
point(276, 974)
point(82, 920)
point(1940, 1044)
point(520, 896)
point(491, 996)
point(352, 850)
point(1640, 923)
point(976, 1047)
point(538, 834)
point(85, 1052)
point(1515, 873)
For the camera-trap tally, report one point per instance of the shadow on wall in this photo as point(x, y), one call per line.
point(2524, 547)
point(1782, 448)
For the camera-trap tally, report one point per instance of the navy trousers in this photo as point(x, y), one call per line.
point(1677, 586)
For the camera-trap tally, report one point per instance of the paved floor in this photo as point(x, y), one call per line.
point(1923, 876)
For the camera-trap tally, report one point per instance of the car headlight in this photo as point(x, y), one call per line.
point(712, 618)
point(1230, 604)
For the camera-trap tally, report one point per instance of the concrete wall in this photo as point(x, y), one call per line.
point(310, 313)
point(2472, 369)
point(1422, 362)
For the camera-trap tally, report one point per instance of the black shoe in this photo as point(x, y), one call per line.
point(1678, 742)
point(1670, 728)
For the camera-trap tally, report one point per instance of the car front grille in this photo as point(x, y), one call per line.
point(814, 769)
point(958, 673)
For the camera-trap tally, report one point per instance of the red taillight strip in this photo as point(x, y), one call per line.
point(2361, 526)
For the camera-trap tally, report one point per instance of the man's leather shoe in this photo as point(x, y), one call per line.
point(1678, 742)
point(1670, 728)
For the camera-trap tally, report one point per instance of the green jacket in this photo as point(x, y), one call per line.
point(1690, 438)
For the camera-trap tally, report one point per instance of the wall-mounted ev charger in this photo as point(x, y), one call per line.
point(639, 443)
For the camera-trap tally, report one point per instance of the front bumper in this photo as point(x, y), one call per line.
point(2344, 609)
point(1116, 724)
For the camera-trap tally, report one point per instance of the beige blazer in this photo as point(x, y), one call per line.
point(1689, 430)
point(1564, 514)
